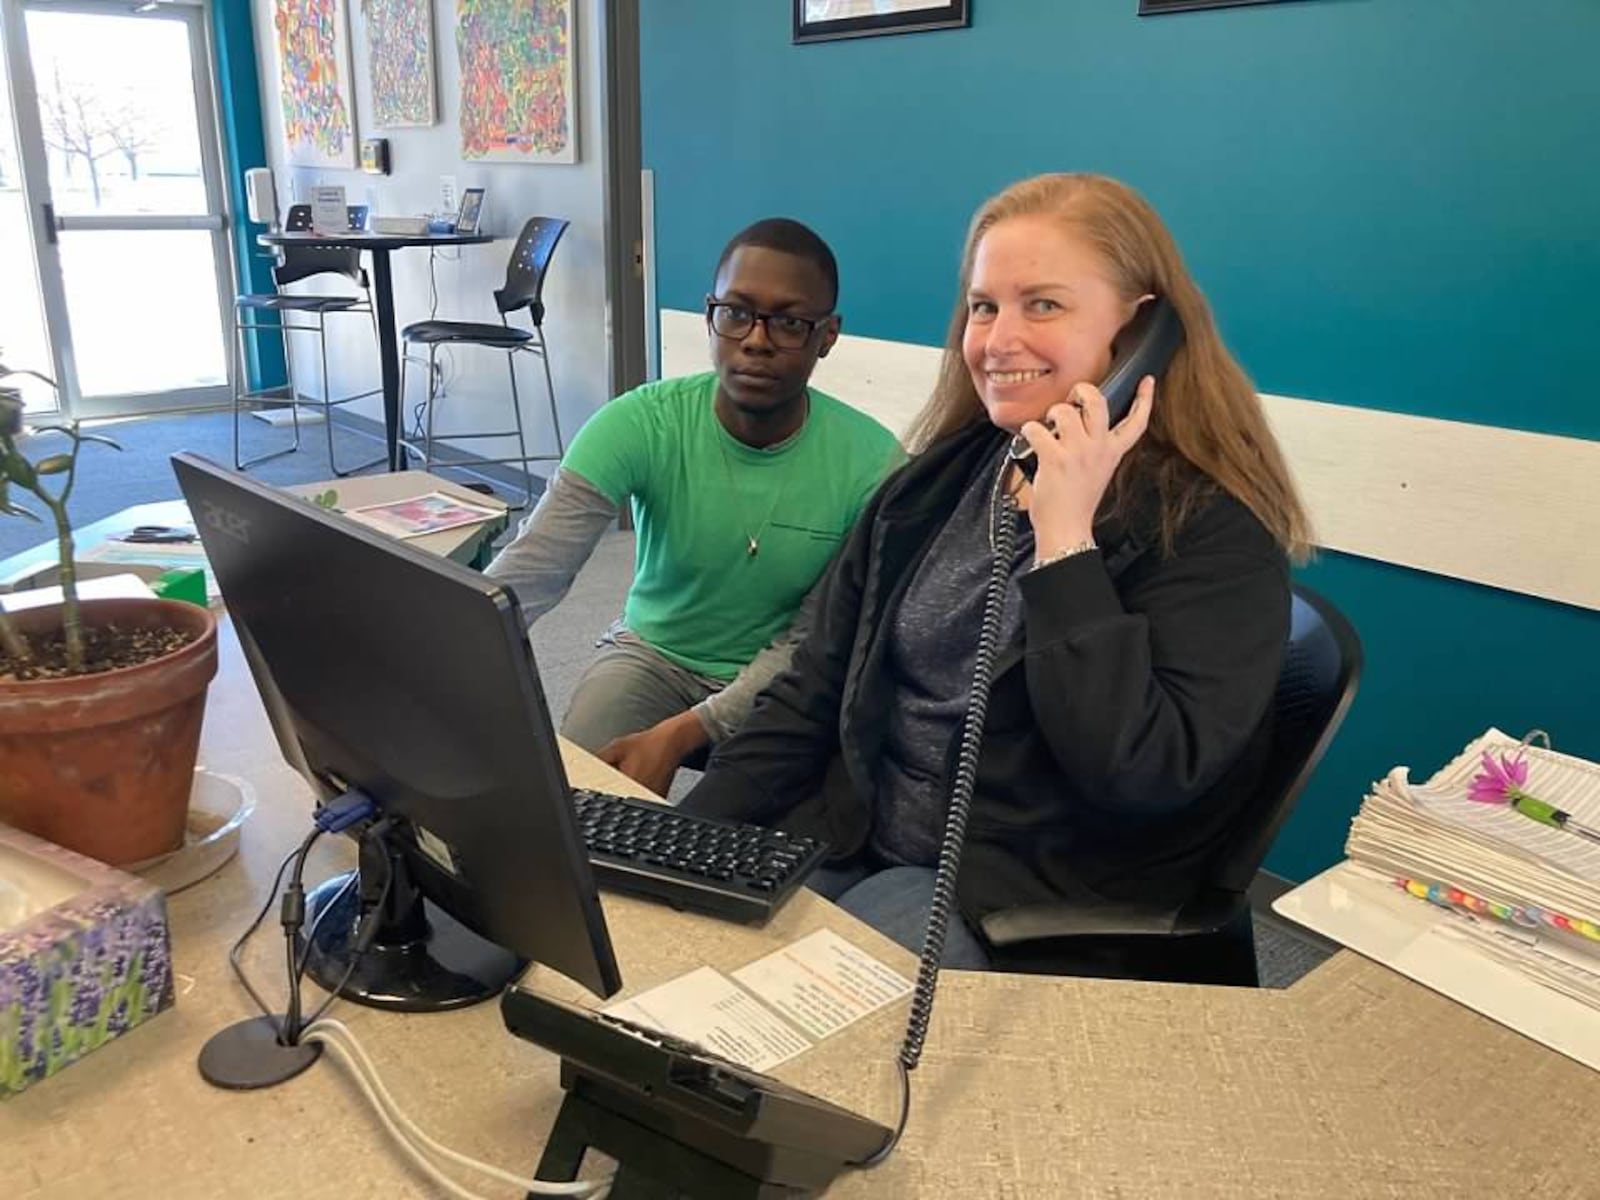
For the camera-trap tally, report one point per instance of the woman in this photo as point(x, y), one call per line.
point(1145, 608)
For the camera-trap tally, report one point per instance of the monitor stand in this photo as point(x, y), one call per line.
point(420, 958)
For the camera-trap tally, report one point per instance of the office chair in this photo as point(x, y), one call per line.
point(1209, 938)
point(296, 263)
point(524, 286)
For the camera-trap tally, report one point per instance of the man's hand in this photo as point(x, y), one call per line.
point(652, 756)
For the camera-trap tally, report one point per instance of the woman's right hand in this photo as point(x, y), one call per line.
point(1078, 452)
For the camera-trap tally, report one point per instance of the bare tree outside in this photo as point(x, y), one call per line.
point(82, 123)
point(133, 133)
point(75, 127)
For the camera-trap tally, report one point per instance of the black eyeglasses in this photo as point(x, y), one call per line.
point(786, 331)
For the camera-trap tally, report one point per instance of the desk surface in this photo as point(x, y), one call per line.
point(461, 544)
point(361, 239)
point(1353, 1083)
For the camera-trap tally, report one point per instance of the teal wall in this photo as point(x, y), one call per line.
point(1391, 203)
point(239, 115)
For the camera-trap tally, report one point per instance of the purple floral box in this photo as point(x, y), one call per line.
point(84, 957)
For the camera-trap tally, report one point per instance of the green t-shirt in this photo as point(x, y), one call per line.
point(699, 496)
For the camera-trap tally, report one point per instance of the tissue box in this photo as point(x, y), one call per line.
point(84, 957)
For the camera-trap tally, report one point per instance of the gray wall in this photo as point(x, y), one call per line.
point(576, 324)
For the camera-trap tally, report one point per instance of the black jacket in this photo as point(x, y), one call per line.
point(1120, 739)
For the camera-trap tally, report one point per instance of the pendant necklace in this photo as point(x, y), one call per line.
point(752, 539)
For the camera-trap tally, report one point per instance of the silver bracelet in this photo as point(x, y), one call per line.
point(1085, 547)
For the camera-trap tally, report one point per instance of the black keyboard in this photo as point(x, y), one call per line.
point(739, 872)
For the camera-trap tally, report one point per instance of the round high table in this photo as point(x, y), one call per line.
point(379, 246)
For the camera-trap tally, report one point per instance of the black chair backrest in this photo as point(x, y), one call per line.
point(1318, 680)
point(302, 262)
point(530, 259)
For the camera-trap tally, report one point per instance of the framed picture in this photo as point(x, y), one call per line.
point(1154, 8)
point(471, 211)
point(827, 20)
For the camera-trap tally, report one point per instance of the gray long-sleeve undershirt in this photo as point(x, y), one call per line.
point(552, 546)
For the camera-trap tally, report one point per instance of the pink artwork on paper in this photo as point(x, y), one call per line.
point(518, 103)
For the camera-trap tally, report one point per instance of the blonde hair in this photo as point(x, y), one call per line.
point(1207, 428)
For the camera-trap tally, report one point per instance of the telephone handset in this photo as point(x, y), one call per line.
point(1144, 346)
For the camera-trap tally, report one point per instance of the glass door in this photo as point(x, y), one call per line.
point(119, 154)
point(23, 338)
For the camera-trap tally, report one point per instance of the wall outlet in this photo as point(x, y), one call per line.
point(449, 201)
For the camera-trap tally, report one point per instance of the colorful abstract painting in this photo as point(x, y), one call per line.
point(314, 82)
point(400, 49)
point(518, 103)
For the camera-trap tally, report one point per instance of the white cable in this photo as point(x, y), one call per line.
point(337, 1037)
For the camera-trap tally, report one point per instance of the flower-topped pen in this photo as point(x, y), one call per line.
point(1502, 779)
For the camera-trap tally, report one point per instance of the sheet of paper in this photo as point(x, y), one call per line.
point(329, 214)
point(707, 1007)
point(102, 588)
point(419, 515)
point(822, 983)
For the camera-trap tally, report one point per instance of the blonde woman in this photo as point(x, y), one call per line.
point(1145, 605)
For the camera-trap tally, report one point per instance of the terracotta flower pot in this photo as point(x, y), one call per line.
point(102, 764)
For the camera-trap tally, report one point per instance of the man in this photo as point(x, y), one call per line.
point(744, 482)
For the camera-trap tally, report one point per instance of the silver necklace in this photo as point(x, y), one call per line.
point(752, 541)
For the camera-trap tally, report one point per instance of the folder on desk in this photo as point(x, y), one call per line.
point(1476, 900)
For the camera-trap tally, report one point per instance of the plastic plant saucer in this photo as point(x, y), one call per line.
point(219, 805)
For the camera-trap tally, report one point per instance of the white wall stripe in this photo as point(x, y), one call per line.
point(1501, 507)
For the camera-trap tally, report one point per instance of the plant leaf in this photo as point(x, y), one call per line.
point(16, 510)
point(101, 438)
point(55, 464)
point(19, 469)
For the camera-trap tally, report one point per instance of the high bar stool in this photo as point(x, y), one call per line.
point(524, 284)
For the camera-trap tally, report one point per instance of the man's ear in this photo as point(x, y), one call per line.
point(830, 334)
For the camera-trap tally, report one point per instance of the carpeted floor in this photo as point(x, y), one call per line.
point(563, 640)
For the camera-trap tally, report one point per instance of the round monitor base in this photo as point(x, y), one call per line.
point(443, 966)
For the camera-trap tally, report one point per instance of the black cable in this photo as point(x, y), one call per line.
point(322, 915)
point(883, 1151)
point(1003, 542)
point(238, 946)
point(358, 946)
point(293, 916)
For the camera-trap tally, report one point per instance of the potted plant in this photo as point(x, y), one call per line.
point(101, 700)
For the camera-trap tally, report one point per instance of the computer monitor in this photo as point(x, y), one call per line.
point(394, 671)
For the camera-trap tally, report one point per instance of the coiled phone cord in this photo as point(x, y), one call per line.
point(955, 826)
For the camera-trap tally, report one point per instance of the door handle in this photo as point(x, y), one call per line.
point(50, 225)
